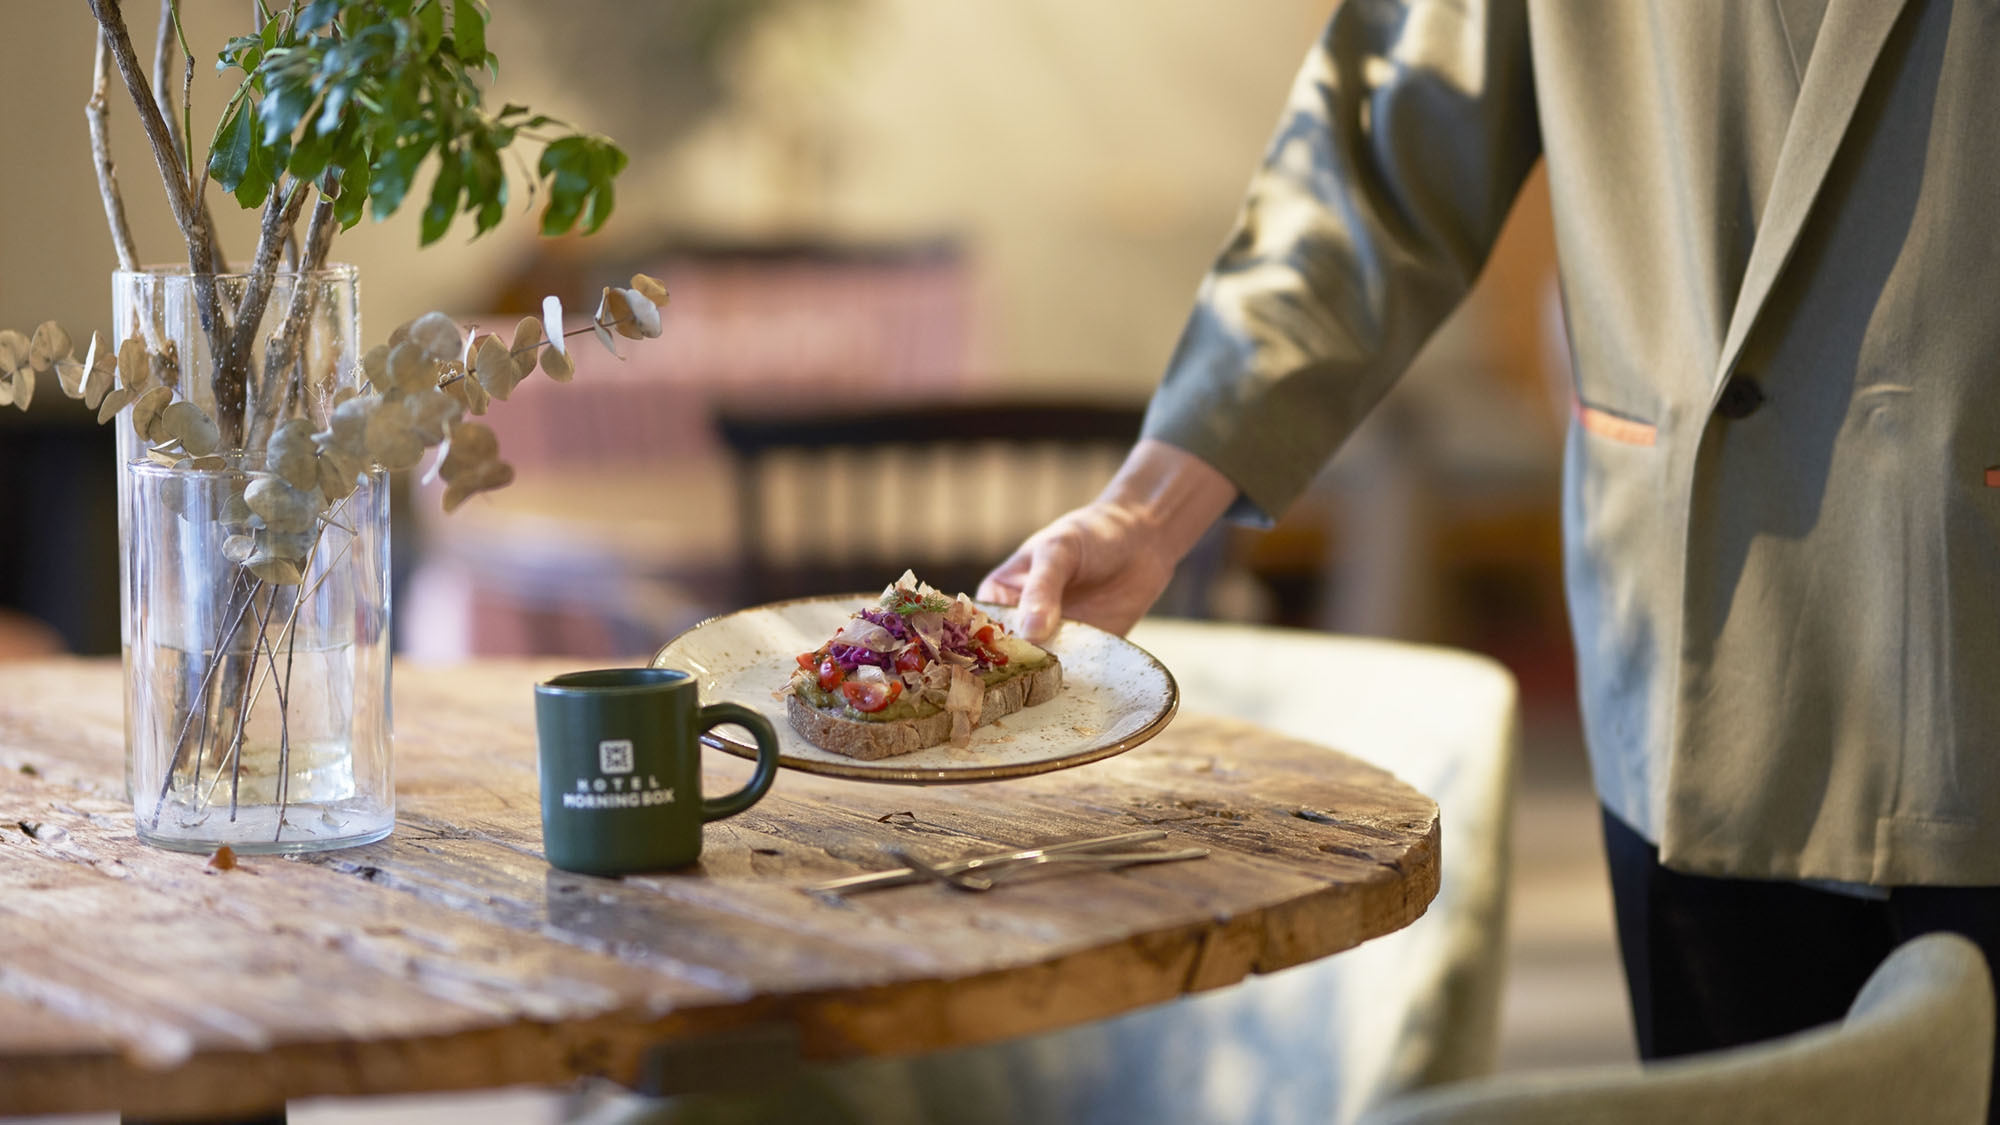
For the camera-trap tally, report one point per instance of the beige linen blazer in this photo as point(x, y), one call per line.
point(1783, 288)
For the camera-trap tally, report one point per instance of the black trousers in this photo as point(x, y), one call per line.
point(1716, 962)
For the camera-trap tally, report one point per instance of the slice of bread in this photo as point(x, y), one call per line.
point(829, 730)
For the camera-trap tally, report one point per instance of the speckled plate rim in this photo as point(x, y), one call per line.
point(890, 775)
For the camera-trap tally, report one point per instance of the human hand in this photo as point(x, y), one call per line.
point(1109, 561)
point(1101, 564)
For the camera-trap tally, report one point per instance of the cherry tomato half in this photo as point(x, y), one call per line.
point(910, 659)
point(808, 659)
point(830, 674)
point(870, 696)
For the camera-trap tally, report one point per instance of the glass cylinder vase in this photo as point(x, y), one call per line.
point(255, 597)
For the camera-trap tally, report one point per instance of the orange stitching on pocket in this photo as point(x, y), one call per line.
point(1993, 477)
point(1605, 424)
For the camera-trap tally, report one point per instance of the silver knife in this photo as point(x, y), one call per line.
point(901, 876)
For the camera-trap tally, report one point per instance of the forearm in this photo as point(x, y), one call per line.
point(1173, 495)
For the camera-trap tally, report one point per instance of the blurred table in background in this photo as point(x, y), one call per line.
point(607, 559)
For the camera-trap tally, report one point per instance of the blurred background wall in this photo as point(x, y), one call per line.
point(1074, 165)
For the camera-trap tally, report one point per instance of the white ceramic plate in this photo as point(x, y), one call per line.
point(1114, 696)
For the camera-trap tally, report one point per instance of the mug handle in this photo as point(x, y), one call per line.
point(716, 714)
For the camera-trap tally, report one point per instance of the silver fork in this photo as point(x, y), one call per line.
point(970, 881)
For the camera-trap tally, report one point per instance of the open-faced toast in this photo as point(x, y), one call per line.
point(915, 671)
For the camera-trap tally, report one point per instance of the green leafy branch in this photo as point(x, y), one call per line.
point(340, 104)
point(355, 96)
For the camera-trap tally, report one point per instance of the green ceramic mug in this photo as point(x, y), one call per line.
point(621, 768)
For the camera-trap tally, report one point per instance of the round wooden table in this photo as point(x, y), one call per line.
point(452, 957)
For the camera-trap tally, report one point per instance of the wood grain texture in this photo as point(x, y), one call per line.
point(451, 956)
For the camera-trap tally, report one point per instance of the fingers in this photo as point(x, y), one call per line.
point(1052, 566)
point(1003, 585)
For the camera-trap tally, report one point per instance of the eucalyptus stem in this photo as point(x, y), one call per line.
point(225, 634)
point(253, 689)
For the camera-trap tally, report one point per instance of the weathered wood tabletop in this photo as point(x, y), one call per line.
point(450, 956)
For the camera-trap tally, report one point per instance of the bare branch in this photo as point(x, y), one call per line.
point(319, 236)
point(281, 216)
point(163, 74)
point(165, 154)
point(164, 57)
point(95, 111)
point(281, 355)
point(173, 176)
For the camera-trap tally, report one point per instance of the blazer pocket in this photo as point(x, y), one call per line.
point(1615, 427)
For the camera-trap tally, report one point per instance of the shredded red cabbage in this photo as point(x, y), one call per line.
point(850, 657)
point(894, 622)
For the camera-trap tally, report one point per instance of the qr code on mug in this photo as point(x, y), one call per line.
point(614, 755)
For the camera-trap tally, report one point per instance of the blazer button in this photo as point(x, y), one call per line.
point(1741, 397)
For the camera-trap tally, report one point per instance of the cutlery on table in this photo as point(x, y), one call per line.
point(973, 881)
point(905, 875)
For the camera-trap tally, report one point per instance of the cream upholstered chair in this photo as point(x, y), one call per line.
point(1916, 1048)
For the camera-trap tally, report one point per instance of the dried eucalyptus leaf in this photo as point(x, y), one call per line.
point(24, 388)
point(50, 344)
point(392, 442)
point(186, 423)
point(236, 513)
point(295, 545)
point(645, 314)
point(650, 287)
point(338, 477)
point(498, 372)
point(166, 460)
point(347, 431)
point(410, 368)
point(293, 432)
point(69, 377)
point(14, 349)
point(437, 334)
point(166, 365)
point(558, 363)
point(97, 382)
point(341, 396)
point(469, 394)
point(614, 311)
point(238, 548)
point(552, 322)
point(279, 505)
point(401, 333)
point(6, 390)
point(527, 339)
point(114, 402)
point(472, 444)
point(134, 368)
point(291, 453)
point(432, 413)
point(276, 571)
point(375, 365)
point(605, 337)
point(486, 478)
point(209, 464)
point(146, 414)
point(296, 464)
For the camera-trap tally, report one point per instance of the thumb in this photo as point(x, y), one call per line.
point(1050, 570)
